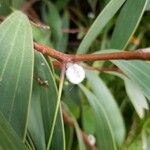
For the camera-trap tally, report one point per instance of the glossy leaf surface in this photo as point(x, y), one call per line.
point(103, 128)
point(43, 110)
point(108, 103)
point(16, 70)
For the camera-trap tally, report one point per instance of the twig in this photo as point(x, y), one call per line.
point(62, 77)
point(40, 25)
point(141, 54)
point(52, 52)
point(102, 69)
point(27, 5)
point(74, 31)
point(70, 122)
point(33, 20)
point(2, 18)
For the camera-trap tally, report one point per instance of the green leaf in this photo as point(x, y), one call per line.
point(35, 123)
point(43, 110)
point(69, 135)
point(40, 35)
point(87, 119)
point(76, 126)
point(105, 137)
point(146, 135)
point(61, 4)
point(138, 71)
point(127, 23)
point(9, 138)
point(5, 7)
point(52, 18)
point(135, 145)
point(106, 100)
point(16, 70)
point(92, 4)
point(58, 135)
point(71, 94)
point(62, 45)
point(148, 6)
point(100, 22)
point(135, 94)
point(17, 3)
point(79, 137)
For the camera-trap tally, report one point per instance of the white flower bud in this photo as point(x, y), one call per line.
point(91, 139)
point(75, 73)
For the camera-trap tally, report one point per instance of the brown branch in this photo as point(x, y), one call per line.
point(58, 64)
point(74, 31)
point(2, 18)
point(40, 25)
point(52, 52)
point(68, 120)
point(125, 55)
point(141, 54)
point(103, 69)
point(27, 5)
point(33, 20)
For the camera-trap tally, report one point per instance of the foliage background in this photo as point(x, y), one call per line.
point(111, 106)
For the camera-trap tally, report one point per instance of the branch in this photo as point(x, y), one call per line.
point(34, 21)
point(58, 64)
point(52, 52)
point(70, 122)
point(27, 5)
point(74, 31)
point(141, 54)
point(103, 69)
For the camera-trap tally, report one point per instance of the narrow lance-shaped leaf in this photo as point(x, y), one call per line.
point(43, 110)
point(127, 22)
point(148, 6)
point(135, 94)
point(137, 97)
point(5, 7)
point(107, 101)
point(35, 123)
point(77, 128)
point(146, 135)
point(16, 70)
point(102, 19)
point(58, 135)
point(17, 3)
point(52, 17)
point(79, 137)
point(8, 137)
point(105, 137)
point(137, 71)
point(62, 45)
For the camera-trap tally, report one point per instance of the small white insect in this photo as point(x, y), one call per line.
point(91, 139)
point(91, 15)
point(75, 73)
